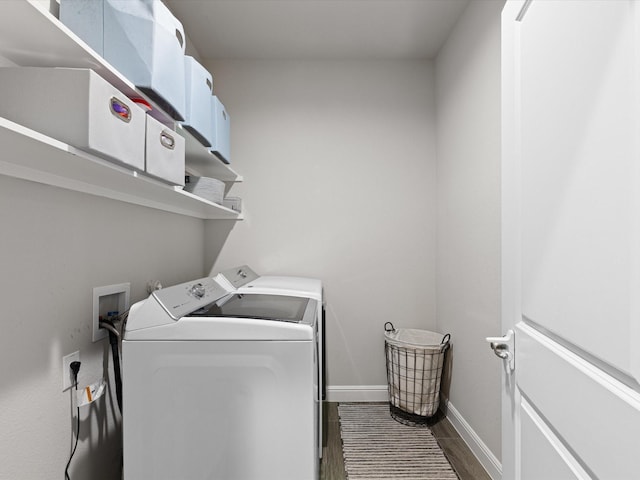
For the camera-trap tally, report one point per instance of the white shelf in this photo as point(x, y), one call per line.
point(31, 36)
point(29, 155)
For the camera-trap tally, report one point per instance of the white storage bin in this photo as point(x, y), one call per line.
point(75, 106)
point(221, 143)
point(198, 90)
point(141, 39)
point(208, 188)
point(164, 154)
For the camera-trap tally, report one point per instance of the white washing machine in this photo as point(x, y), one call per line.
point(220, 386)
point(243, 279)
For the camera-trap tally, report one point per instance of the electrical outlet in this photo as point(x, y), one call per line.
point(67, 375)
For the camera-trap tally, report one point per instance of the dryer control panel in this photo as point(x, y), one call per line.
point(180, 300)
point(239, 276)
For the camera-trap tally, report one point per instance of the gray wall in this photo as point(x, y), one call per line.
point(55, 246)
point(339, 167)
point(339, 160)
point(468, 252)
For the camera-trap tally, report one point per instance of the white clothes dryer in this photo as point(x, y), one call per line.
point(243, 279)
point(220, 385)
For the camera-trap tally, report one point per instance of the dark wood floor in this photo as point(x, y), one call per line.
point(456, 450)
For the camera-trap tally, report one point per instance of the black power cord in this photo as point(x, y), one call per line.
point(115, 353)
point(113, 340)
point(75, 368)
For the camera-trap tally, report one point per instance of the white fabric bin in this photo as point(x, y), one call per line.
point(75, 106)
point(164, 153)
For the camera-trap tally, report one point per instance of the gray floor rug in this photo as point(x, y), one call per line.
point(376, 447)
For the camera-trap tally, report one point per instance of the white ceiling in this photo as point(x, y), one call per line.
point(317, 29)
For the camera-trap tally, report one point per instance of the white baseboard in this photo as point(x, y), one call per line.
point(357, 393)
point(488, 460)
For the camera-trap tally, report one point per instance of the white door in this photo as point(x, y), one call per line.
point(571, 239)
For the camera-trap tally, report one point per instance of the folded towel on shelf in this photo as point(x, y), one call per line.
point(208, 188)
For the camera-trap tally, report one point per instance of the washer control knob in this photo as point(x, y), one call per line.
point(197, 290)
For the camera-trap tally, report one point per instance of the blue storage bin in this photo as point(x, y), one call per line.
point(85, 19)
point(221, 143)
point(141, 39)
point(198, 90)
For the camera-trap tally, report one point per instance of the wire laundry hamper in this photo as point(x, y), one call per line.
point(414, 370)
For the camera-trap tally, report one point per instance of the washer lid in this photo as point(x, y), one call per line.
point(208, 324)
point(286, 285)
point(258, 306)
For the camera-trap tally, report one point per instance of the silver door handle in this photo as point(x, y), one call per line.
point(504, 348)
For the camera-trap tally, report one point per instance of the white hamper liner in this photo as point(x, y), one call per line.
point(415, 359)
